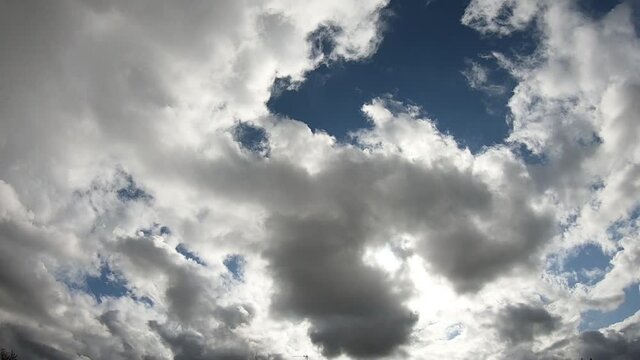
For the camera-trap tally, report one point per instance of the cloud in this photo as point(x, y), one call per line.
point(452, 201)
point(477, 76)
point(122, 119)
point(613, 346)
point(608, 344)
point(318, 266)
point(99, 87)
point(521, 323)
point(500, 16)
point(191, 345)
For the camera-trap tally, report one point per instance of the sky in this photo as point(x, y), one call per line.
point(418, 64)
point(337, 179)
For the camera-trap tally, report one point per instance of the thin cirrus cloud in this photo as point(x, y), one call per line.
point(152, 206)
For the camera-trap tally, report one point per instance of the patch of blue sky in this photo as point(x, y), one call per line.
point(454, 331)
point(596, 9)
point(251, 138)
point(107, 284)
point(155, 229)
point(587, 265)
point(618, 229)
point(597, 185)
point(143, 299)
point(131, 192)
point(420, 61)
point(530, 157)
point(595, 319)
point(188, 254)
point(235, 264)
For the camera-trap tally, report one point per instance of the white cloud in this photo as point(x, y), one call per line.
point(500, 16)
point(477, 76)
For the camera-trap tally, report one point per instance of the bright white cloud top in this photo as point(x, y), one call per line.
point(151, 207)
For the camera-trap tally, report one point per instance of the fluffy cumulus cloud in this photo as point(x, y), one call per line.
point(151, 207)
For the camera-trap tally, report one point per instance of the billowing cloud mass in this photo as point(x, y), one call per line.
point(152, 207)
point(520, 323)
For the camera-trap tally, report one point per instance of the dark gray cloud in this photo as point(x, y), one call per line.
point(317, 264)
point(25, 286)
point(186, 293)
point(191, 300)
point(468, 232)
point(112, 319)
point(596, 345)
point(607, 344)
point(186, 296)
point(190, 345)
point(612, 346)
point(17, 294)
point(235, 315)
point(315, 247)
point(522, 323)
point(27, 345)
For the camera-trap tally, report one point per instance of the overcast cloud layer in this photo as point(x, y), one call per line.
point(135, 132)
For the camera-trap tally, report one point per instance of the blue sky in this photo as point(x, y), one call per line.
point(595, 319)
point(420, 61)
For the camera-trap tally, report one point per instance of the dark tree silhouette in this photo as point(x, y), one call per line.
point(4, 355)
